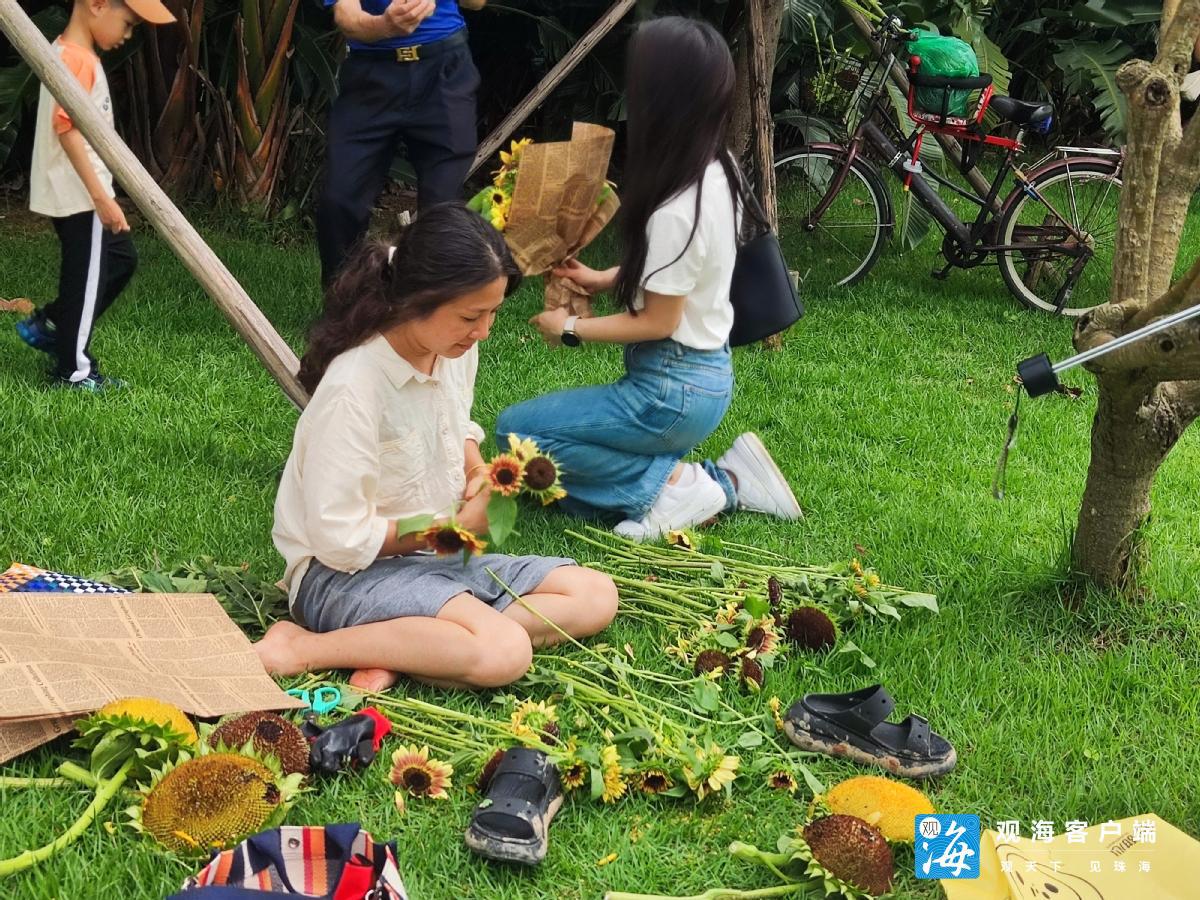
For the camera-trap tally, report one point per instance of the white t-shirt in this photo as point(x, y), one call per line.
point(378, 441)
point(55, 189)
point(704, 272)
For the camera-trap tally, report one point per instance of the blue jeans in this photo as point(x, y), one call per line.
point(617, 444)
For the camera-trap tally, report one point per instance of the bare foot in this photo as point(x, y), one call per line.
point(373, 680)
point(276, 651)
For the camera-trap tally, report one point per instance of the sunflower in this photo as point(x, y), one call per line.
point(512, 159)
point(572, 770)
point(684, 539)
point(536, 722)
point(541, 479)
point(811, 627)
point(654, 781)
point(614, 785)
point(486, 773)
point(709, 770)
point(727, 613)
point(505, 473)
point(751, 675)
point(498, 219)
point(711, 662)
point(420, 776)
point(497, 197)
point(773, 704)
point(448, 539)
point(761, 636)
point(522, 448)
point(782, 781)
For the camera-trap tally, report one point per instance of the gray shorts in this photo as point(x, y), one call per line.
point(401, 586)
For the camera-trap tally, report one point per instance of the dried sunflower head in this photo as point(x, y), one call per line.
point(852, 851)
point(811, 627)
point(270, 735)
point(708, 661)
point(750, 674)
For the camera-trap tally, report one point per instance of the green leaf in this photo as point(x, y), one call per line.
point(678, 791)
point(717, 572)
point(757, 606)
point(502, 516)
point(926, 601)
point(706, 695)
point(727, 640)
point(597, 782)
point(813, 782)
point(750, 739)
point(413, 524)
point(851, 647)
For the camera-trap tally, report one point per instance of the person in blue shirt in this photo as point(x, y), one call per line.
point(408, 77)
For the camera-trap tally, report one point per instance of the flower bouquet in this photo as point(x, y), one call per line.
point(551, 200)
point(524, 469)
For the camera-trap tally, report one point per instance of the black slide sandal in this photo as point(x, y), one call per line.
point(854, 726)
point(512, 822)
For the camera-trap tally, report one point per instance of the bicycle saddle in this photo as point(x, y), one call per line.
point(1020, 111)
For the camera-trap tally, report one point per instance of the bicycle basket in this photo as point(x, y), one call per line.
point(943, 60)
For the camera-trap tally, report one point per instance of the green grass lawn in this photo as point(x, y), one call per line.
point(886, 408)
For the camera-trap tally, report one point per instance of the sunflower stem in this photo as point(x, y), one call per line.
point(12, 781)
point(78, 773)
point(104, 795)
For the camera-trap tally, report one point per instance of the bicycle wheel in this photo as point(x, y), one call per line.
point(1087, 194)
point(843, 244)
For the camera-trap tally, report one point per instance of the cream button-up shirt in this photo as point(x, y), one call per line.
point(378, 441)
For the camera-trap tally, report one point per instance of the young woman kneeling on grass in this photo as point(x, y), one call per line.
point(619, 445)
point(387, 437)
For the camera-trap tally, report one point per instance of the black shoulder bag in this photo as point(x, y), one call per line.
point(764, 298)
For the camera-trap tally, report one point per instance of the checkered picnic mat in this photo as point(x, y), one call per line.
point(28, 579)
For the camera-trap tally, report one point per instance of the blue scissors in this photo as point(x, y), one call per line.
point(321, 700)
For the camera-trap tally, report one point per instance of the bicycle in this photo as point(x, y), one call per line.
point(1052, 236)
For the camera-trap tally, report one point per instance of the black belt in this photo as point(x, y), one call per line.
point(414, 52)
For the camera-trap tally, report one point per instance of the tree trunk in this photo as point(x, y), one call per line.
point(1149, 392)
point(741, 129)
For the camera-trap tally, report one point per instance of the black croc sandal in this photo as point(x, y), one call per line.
point(512, 822)
point(853, 726)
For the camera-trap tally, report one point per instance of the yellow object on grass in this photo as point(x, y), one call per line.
point(1141, 857)
point(890, 806)
point(148, 709)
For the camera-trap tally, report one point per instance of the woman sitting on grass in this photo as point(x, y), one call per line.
point(619, 445)
point(388, 437)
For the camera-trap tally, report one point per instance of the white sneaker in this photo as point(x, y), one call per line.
point(693, 500)
point(761, 487)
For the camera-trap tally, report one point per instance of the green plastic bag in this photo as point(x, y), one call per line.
point(943, 56)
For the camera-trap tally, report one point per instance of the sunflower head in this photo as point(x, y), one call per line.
point(888, 805)
point(572, 769)
point(151, 733)
point(214, 800)
point(852, 851)
point(270, 734)
point(654, 781)
point(615, 784)
point(541, 473)
point(782, 781)
point(523, 449)
point(505, 473)
point(535, 722)
point(812, 628)
point(414, 772)
point(488, 770)
point(448, 539)
point(750, 674)
point(709, 769)
point(512, 158)
point(761, 636)
point(774, 593)
point(497, 197)
point(711, 661)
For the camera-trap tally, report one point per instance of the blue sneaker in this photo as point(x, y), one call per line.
point(93, 384)
point(38, 334)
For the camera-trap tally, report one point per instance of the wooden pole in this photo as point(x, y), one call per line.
point(951, 147)
point(562, 68)
point(158, 209)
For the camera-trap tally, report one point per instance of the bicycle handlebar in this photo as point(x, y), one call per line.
point(892, 28)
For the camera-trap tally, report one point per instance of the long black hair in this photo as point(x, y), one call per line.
point(447, 252)
point(679, 90)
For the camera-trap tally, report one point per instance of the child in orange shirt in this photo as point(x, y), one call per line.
point(70, 184)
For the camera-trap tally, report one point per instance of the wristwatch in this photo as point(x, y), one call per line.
point(569, 337)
